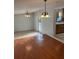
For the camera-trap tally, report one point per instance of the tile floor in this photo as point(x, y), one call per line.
point(22, 33)
point(59, 37)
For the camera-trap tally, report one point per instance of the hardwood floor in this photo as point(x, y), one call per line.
point(38, 47)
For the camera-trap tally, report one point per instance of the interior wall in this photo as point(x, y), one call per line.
point(21, 23)
point(32, 23)
point(48, 26)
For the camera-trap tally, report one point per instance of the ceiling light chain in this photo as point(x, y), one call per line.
point(45, 7)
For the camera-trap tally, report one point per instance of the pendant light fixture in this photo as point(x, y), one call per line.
point(45, 13)
point(27, 14)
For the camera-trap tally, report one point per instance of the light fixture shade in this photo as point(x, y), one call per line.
point(44, 15)
point(27, 14)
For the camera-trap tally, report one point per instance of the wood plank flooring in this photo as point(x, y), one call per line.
point(38, 47)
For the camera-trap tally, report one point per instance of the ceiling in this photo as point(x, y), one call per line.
point(21, 6)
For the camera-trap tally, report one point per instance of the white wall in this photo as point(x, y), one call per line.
point(48, 26)
point(21, 23)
